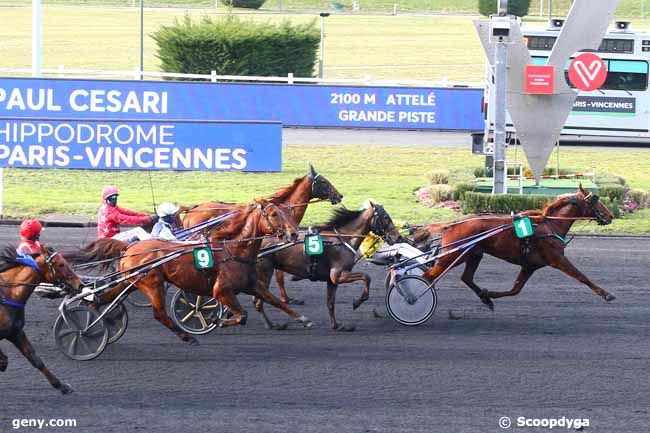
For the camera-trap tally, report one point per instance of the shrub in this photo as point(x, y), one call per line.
point(640, 198)
point(231, 46)
point(437, 177)
point(246, 4)
point(461, 188)
point(612, 191)
point(476, 202)
point(613, 206)
point(515, 7)
point(434, 194)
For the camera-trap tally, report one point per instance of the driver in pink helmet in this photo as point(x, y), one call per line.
point(110, 216)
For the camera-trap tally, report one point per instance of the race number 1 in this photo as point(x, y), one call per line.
point(523, 227)
point(203, 258)
point(313, 245)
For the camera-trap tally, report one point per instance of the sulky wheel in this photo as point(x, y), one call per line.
point(138, 299)
point(75, 339)
point(195, 314)
point(411, 300)
point(117, 320)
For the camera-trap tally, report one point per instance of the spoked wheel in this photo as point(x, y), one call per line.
point(117, 320)
point(411, 300)
point(195, 314)
point(74, 338)
point(138, 299)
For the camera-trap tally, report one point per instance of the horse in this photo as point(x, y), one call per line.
point(18, 279)
point(544, 248)
point(233, 272)
point(342, 235)
point(297, 196)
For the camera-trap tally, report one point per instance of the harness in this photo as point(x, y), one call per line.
point(26, 260)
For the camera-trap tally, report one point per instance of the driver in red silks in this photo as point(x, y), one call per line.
point(110, 217)
point(30, 232)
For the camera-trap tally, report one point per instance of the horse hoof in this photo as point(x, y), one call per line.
point(3, 365)
point(66, 389)
point(193, 342)
point(356, 304)
point(344, 328)
point(294, 301)
point(489, 303)
point(376, 314)
point(308, 324)
point(610, 298)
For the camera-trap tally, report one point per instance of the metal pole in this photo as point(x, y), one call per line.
point(550, 9)
point(2, 188)
point(500, 77)
point(36, 38)
point(141, 39)
point(321, 61)
point(642, 8)
point(541, 8)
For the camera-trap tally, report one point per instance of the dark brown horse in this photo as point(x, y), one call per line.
point(296, 197)
point(235, 250)
point(17, 282)
point(545, 248)
point(341, 236)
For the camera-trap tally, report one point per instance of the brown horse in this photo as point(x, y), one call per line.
point(342, 235)
point(17, 282)
point(296, 196)
point(545, 248)
point(233, 271)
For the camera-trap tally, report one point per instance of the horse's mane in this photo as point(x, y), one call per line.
point(282, 193)
point(561, 201)
point(8, 258)
point(340, 217)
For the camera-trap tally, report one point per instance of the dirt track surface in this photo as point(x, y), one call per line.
point(557, 350)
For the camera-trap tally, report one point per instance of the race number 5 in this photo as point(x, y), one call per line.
point(203, 258)
point(523, 227)
point(313, 245)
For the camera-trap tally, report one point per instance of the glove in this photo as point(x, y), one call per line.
point(154, 219)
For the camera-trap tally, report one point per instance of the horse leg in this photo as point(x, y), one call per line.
point(268, 297)
point(331, 300)
point(564, 265)
point(228, 299)
point(4, 361)
point(157, 298)
point(279, 278)
point(19, 339)
point(349, 277)
point(521, 280)
point(471, 265)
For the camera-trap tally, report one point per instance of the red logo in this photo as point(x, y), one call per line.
point(587, 72)
point(540, 80)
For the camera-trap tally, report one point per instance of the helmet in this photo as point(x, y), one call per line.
point(30, 228)
point(166, 209)
point(109, 190)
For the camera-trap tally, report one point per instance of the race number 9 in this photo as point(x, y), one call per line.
point(203, 258)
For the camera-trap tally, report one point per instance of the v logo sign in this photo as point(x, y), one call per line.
point(588, 74)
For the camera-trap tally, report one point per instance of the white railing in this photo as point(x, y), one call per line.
point(136, 74)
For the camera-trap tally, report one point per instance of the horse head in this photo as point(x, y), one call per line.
point(277, 221)
point(322, 188)
point(382, 224)
point(593, 207)
point(56, 270)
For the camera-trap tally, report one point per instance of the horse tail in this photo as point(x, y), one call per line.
point(102, 250)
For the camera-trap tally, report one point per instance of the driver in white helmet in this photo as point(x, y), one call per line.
point(164, 227)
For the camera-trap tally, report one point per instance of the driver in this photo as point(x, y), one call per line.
point(164, 227)
point(30, 233)
point(110, 216)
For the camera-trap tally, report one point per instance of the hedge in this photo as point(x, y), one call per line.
point(515, 7)
point(613, 191)
point(246, 4)
point(231, 46)
point(476, 203)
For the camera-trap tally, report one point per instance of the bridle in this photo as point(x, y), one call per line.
point(377, 227)
point(262, 209)
point(61, 281)
point(591, 200)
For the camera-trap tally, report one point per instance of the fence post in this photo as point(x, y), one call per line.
point(394, 8)
point(60, 71)
point(213, 76)
point(138, 73)
point(290, 78)
point(642, 8)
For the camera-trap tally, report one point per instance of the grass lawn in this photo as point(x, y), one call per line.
point(389, 175)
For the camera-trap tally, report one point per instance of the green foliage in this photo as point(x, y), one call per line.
point(433, 195)
point(612, 191)
point(461, 188)
point(641, 198)
point(515, 7)
point(246, 4)
point(437, 177)
point(476, 202)
point(231, 46)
